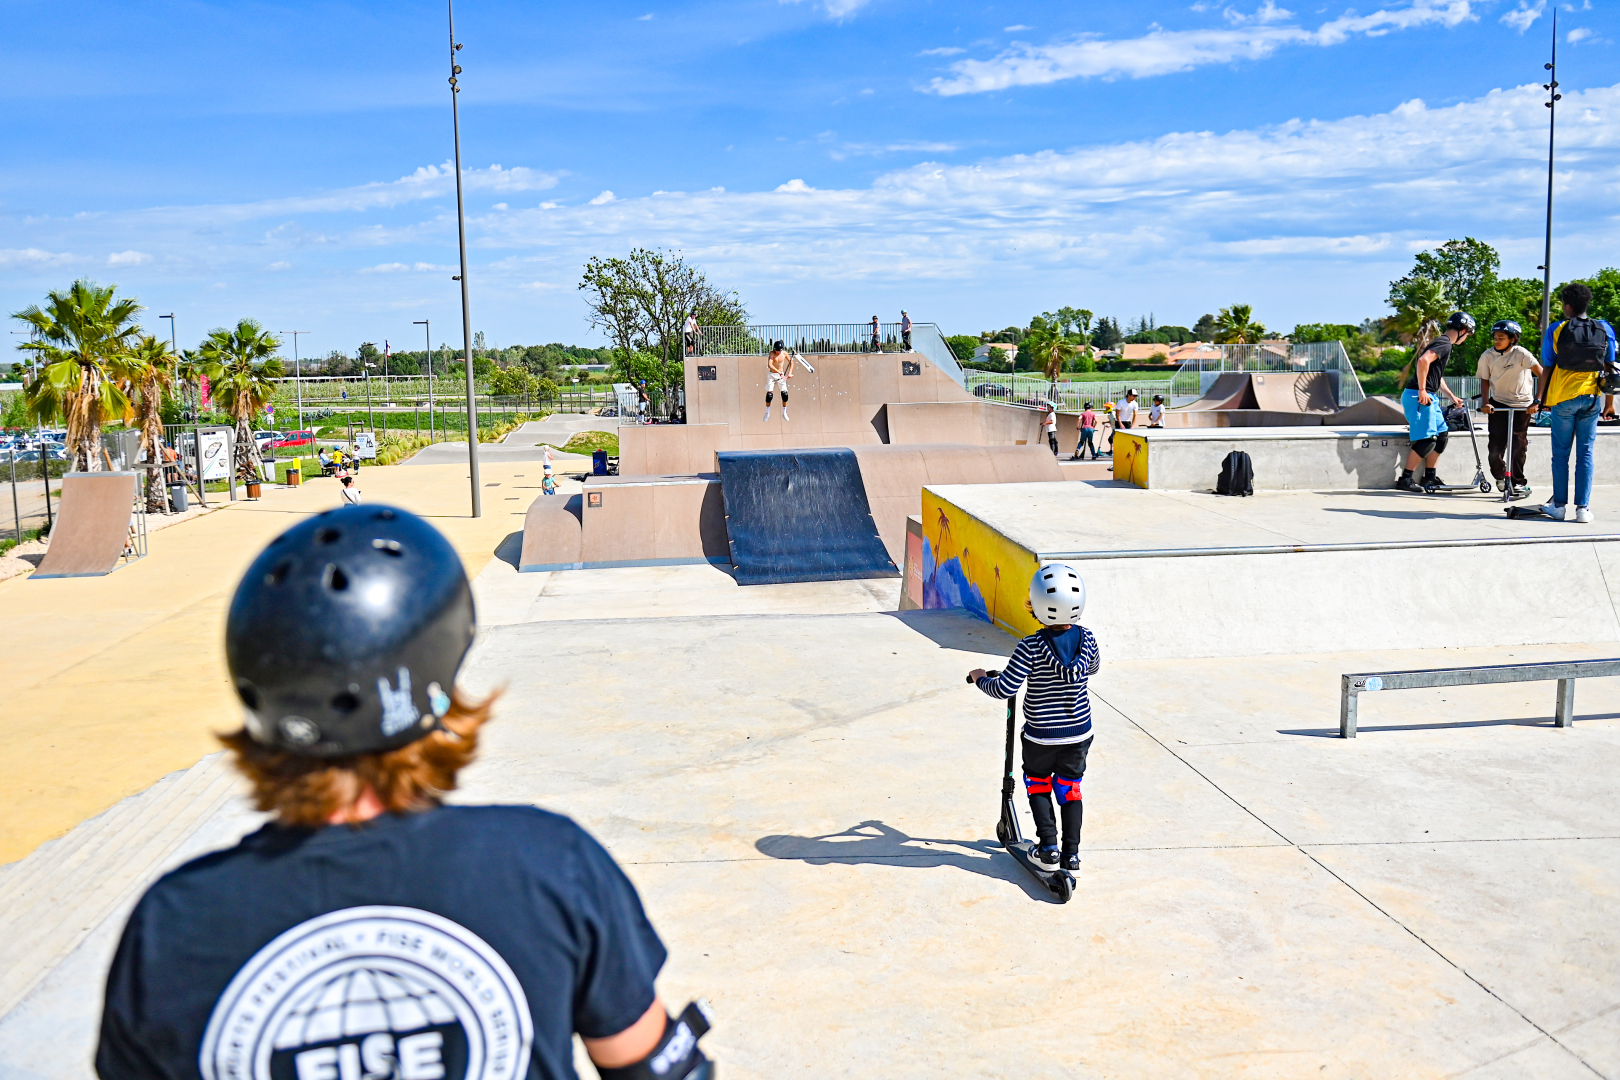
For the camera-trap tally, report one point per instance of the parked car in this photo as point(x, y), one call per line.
point(294, 438)
point(992, 390)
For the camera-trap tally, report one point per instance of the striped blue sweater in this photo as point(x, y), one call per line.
point(1057, 709)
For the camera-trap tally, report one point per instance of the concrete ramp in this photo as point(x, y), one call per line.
point(800, 515)
point(91, 531)
point(1305, 392)
point(1231, 390)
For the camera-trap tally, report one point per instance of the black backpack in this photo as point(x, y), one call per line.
point(1237, 475)
point(1581, 345)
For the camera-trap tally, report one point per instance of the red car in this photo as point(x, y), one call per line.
point(295, 438)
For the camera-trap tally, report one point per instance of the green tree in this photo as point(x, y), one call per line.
point(962, 345)
point(153, 370)
point(1421, 304)
point(1311, 333)
point(1236, 326)
point(240, 362)
point(1108, 334)
point(510, 382)
point(1049, 347)
point(84, 336)
point(1466, 268)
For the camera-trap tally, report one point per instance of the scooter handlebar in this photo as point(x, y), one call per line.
point(991, 673)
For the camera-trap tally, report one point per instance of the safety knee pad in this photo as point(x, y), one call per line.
point(1440, 441)
point(1068, 791)
point(1423, 447)
point(768, 397)
point(1038, 785)
point(784, 397)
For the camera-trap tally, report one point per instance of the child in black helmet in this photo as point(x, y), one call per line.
point(1057, 660)
point(1425, 420)
point(368, 931)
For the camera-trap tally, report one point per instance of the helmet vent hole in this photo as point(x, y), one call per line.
point(327, 536)
point(346, 701)
point(384, 515)
point(335, 578)
point(278, 575)
point(389, 547)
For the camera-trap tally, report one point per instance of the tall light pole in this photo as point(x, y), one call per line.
point(427, 334)
point(1551, 86)
point(365, 368)
point(298, 375)
point(466, 310)
point(174, 344)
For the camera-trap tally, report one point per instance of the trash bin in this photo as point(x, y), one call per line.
point(254, 490)
point(177, 498)
point(599, 462)
point(294, 478)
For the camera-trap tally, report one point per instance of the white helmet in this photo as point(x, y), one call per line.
point(1057, 594)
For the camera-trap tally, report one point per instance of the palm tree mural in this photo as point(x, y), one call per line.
point(240, 362)
point(85, 337)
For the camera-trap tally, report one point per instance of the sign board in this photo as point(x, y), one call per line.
point(365, 446)
point(216, 463)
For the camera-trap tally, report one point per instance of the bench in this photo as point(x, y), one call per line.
point(1351, 687)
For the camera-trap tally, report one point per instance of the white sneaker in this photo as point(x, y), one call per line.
point(1554, 512)
point(784, 413)
point(768, 416)
point(1583, 515)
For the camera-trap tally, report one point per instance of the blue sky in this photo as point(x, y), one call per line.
point(827, 159)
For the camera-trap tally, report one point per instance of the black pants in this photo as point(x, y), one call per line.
point(1051, 440)
point(1046, 767)
point(1498, 440)
point(905, 336)
point(1119, 425)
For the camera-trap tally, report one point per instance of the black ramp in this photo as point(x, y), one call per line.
point(799, 515)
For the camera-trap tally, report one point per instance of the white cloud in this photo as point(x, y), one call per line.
point(602, 199)
point(837, 9)
point(1161, 52)
point(1577, 35)
point(401, 268)
point(1522, 16)
point(34, 257)
point(849, 150)
point(280, 264)
point(1268, 12)
point(794, 187)
point(947, 50)
point(644, 18)
point(128, 258)
point(1016, 27)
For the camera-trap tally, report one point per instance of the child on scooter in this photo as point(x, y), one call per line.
point(1056, 660)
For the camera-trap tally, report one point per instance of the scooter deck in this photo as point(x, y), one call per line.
point(1059, 882)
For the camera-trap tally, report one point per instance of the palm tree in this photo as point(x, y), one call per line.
point(153, 372)
point(1051, 348)
point(240, 364)
point(1235, 326)
point(84, 337)
point(1420, 304)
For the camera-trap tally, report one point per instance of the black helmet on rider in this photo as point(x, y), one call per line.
point(1461, 320)
point(1508, 327)
point(345, 635)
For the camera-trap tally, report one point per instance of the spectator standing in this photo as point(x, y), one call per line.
point(877, 336)
point(1124, 417)
point(1507, 385)
point(1088, 435)
point(1575, 353)
point(905, 329)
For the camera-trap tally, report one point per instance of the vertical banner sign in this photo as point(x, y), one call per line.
point(202, 388)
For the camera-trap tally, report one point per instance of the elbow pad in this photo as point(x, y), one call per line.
point(676, 1057)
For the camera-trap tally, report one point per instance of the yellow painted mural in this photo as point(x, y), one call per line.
point(967, 564)
point(1131, 458)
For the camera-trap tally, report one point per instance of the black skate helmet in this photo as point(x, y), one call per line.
point(1508, 327)
point(345, 634)
point(1461, 320)
point(778, 346)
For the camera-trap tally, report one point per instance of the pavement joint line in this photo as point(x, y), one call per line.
point(1462, 840)
point(1228, 517)
point(1364, 897)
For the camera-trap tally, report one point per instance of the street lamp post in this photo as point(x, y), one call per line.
point(1551, 86)
point(427, 334)
point(174, 347)
point(466, 310)
point(298, 375)
point(365, 368)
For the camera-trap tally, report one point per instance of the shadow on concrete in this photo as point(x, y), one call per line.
point(956, 629)
point(873, 843)
point(510, 549)
point(1419, 515)
point(1522, 721)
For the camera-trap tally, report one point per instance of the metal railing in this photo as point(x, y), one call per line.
point(1071, 397)
point(1351, 687)
point(1192, 378)
point(816, 338)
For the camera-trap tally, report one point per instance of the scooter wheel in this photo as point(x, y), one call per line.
point(1062, 887)
point(1001, 833)
point(1485, 487)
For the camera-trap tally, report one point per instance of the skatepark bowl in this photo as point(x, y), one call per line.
point(805, 792)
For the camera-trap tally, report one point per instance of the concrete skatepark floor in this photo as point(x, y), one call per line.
point(805, 792)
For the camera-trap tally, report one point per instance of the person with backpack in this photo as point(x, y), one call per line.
point(367, 929)
point(1576, 355)
point(1425, 419)
point(1507, 383)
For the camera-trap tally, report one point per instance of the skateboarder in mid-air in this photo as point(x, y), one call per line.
point(780, 363)
point(1057, 660)
point(368, 930)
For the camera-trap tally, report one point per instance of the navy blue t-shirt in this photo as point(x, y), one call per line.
point(464, 943)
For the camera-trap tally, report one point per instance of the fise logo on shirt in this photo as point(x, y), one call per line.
point(371, 993)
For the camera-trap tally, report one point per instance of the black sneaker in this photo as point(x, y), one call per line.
point(1406, 483)
point(1046, 856)
point(1071, 861)
point(1432, 484)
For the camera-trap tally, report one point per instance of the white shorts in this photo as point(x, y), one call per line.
point(775, 381)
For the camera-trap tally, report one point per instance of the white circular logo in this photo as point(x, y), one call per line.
point(371, 993)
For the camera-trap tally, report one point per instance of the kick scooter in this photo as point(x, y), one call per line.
point(1481, 481)
point(1057, 881)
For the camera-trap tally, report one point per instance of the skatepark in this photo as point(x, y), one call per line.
point(804, 791)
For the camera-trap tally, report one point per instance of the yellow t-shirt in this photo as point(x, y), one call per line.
point(1570, 384)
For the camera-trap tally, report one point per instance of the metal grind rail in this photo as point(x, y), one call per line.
point(1305, 549)
point(1351, 687)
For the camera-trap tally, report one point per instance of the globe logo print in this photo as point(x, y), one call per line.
point(371, 993)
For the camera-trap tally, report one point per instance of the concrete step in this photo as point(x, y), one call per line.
point(53, 899)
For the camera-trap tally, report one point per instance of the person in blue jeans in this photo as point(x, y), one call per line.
point(1575, 353)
